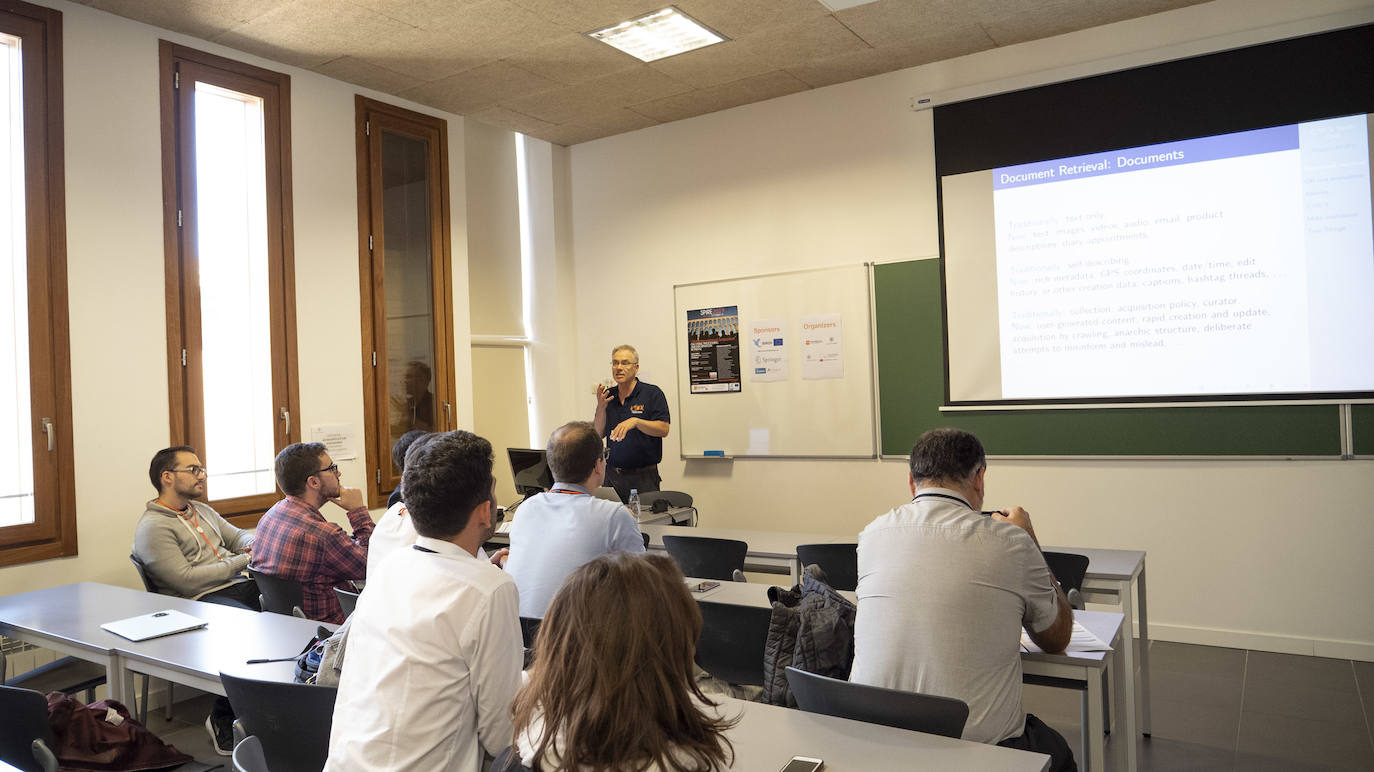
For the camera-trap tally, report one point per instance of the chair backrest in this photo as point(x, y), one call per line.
point(529, 627)
point(25, 725)
point(840, 562)
point(279, 595)
point(890, 707)
point(732, 642)
point(1068, 569)
point(673, 499)
point(347, 600)
point(142, 569)
point(248, 756)
point(290, 720)
point(707, 558)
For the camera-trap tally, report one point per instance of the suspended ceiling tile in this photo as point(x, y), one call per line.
point(573, 58)
point(478, 88)
point(709, 100)
point(795, 44)
point(737, 18)
point(365, 74)
point(199, 18)
point(589, 15)
point(420, 13)
point(945, 44)
point(714, 65)
point(311, 32)
point(889, 22)
point(582, 102)
point(617, 121)
point(510, 119)
point(845, 67)
point(1048, 18)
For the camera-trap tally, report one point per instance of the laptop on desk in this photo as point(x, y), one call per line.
point(154, 625)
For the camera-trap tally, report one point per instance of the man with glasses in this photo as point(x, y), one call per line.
point(188, 550)
point(633, 416)
point(185, 546)
point(295, 542)
point(557, 531)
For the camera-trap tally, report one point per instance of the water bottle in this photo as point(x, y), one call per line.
point(634, 502)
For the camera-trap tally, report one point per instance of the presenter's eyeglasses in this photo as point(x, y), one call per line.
point(624, 364)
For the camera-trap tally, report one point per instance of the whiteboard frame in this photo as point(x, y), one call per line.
point(874, 423)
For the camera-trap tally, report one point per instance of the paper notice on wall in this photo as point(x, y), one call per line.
point(340, 440)
point(767, 350)
point(822, 347)
point(759, 441)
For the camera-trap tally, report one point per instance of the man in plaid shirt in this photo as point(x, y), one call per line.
point(294, 541)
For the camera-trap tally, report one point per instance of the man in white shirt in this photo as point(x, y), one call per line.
point(434, 649)
point(944, 591)
point(555, 532)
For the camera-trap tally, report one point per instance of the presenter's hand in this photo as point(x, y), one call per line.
point(350, 499)
point(623, 428)
point(603, 396)
point(1017, 517)
point(498, 558)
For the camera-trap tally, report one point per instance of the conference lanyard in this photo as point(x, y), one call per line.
point(568, 492)
point(954, 498)
point(194, 520)
point(424, 549)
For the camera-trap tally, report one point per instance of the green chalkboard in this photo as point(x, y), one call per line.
point(1362, 428)
point(911, 381)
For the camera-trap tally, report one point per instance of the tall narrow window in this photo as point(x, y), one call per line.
point(230, 300)
point(37, 497)
point(406, 283)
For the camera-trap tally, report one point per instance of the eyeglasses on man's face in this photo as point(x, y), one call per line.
point(331, 468)
point(623, 364)
point(194, 471)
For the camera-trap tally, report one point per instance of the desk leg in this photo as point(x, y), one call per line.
point(794, 565)
point(1123, 713)
point(119, 681)
point(1094, 733)
point(1142, 690)
point(1126, 658)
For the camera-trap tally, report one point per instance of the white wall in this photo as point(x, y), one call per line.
point(116, 284)
point(1265, 554)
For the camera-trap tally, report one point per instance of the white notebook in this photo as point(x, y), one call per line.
point(154, 625)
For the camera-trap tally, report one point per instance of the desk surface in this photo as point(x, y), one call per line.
point(767, 736)
point(73, 614)
point(1108, 564)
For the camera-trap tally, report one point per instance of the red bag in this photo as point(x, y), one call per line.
point(103, 736)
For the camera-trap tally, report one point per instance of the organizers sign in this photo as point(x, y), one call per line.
point(713, 349)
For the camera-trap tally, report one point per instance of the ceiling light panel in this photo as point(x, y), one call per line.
point(657, 35)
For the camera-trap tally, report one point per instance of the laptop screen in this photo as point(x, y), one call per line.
point(529, 471)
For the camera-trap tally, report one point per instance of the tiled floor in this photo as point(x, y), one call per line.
point(1230, 709)
point(1213, 709)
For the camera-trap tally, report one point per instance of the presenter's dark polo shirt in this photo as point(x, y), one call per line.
point(638, 449)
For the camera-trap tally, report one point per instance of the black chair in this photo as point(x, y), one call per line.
point(347, 600)
point(707, 558)
point(732, 642)
point(141, 709)
point(143, 575)
point(290, 720)
point(68, 675)
point(840, 562)
point(248, 756)
point(280, 596)
point(927, 713)
point(26, 740)
point(645, 536)
point(1069, 569)
point(529, 628)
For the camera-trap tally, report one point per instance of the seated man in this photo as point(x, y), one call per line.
point(187, 549)
point(944, 590)
point(557, 531)
point(434, 649)
point(295, 542)
point(190, 551)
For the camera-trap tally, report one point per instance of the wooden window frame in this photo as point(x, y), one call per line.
point(185, 376)
point(52, 534)
point(371, 118)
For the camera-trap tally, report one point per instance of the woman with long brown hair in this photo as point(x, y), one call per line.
point(611, 686)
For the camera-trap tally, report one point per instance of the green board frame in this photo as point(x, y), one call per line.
point(909, 317)
point(1362, 429)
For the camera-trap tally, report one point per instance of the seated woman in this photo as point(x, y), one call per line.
point(611, 685)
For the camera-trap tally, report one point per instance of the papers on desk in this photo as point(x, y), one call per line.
point(505, 526)
point(1082, 641)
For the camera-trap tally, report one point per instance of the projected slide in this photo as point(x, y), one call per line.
point(1236, 264)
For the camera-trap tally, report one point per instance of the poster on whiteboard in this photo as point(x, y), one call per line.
point(822, 347)
point(713, 349)
point(767, 350)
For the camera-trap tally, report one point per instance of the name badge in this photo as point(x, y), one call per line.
point(636, 409)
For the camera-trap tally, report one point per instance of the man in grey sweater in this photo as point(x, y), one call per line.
point(188, 549)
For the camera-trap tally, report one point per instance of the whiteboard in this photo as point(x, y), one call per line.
point(804, 400)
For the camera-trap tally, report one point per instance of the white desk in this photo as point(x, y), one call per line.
point(1111, 574)
point(1081, 671)
point(68, 618)
point(767, 736)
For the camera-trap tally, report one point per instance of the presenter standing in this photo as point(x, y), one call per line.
point(633, 417)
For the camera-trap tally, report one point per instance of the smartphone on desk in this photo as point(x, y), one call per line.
point(703, 587)
point(802, 764)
